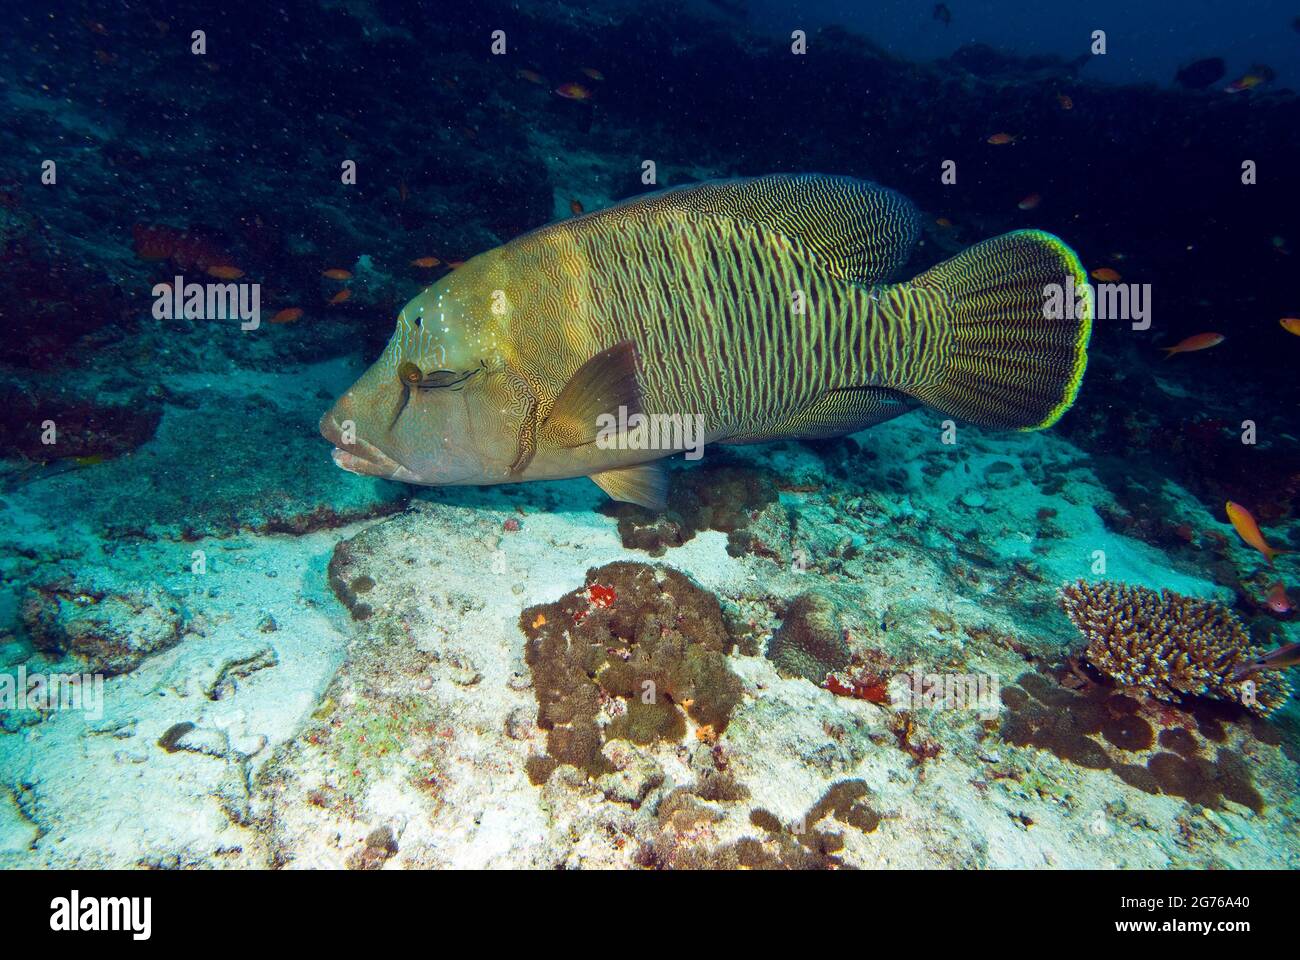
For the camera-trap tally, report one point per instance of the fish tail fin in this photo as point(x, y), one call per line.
point(1000, 332)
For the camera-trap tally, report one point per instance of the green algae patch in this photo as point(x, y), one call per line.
point(629, 656)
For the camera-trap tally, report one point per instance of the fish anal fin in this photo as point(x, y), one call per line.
point(602, 385)
point(834, 414)
point(645, 484)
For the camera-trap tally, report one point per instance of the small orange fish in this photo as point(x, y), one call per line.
point(1249, 82)
point(593, 73)
point(999, 139)
point(224, 271)
point(337, 273)
point(1278, 659)
point(1106, 275)
point(453, 264)
point(943, 223)
point(1291, 325)
point(532, 76)
point(576, 206)
point(573, 91)
point(1248, 530)
point(1030, 202)
point(426, 263)
point(1198, 341)
point(342, 296)
point(287, 315)
point(1277, 600)
point(1065, 101)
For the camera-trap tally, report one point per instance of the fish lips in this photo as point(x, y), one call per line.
point(362, 458)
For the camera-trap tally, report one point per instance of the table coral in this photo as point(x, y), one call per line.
point(1170, 646)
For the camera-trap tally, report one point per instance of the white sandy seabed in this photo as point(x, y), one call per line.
point(400, 740)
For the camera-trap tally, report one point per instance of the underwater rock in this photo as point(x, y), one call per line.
point(83, 427)
point(17, 832)
point(810, 642)
point(629, 656)
point(108, 632)
point(1170, 646)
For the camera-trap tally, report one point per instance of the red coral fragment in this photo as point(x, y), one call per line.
point(601, 596)
point(867, 686)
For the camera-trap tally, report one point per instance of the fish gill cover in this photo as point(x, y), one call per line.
point(983, 328)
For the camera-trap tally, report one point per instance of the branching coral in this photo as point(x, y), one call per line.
point(1169, 646)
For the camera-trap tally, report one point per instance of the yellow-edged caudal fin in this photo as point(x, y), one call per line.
point(1007, 342)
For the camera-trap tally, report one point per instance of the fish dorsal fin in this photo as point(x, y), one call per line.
point(860, 230)
point(600, 386)
point(646, 484)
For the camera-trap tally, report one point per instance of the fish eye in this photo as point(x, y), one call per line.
point(412, 376)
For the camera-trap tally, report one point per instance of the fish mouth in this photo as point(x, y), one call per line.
point(362, 457)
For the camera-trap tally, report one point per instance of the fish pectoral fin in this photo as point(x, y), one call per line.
point(645, 485)
point(600, 386)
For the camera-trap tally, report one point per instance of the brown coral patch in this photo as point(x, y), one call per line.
point(1038, 716)
point(629, 656)
point(715, 497)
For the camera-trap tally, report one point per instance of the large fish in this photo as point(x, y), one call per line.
point(758, 309)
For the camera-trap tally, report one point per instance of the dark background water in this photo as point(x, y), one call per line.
point(458, 151)
point(1152, 39)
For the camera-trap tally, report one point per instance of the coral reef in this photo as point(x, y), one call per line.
point(712, 496)
point(1042, 713)
point(627, 657)
point(810, 642)
point(1168, 645)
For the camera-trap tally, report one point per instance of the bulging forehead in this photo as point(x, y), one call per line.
point(443, 328)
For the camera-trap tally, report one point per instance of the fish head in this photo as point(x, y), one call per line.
point(442, 404)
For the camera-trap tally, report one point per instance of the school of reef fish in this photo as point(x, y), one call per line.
point(935, 643)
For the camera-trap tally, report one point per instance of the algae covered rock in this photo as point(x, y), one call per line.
point(809, 642)
point(110, 632)
point(631, 656)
